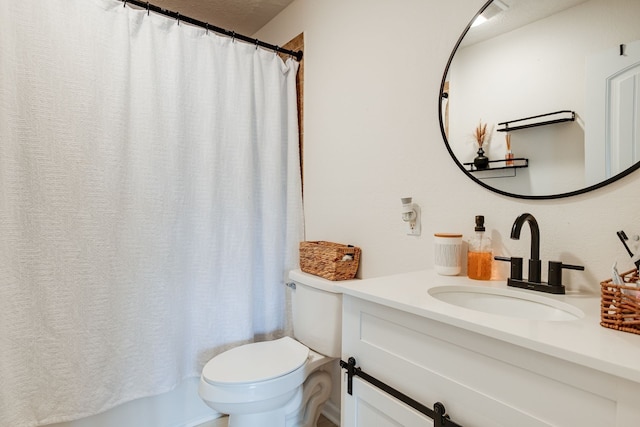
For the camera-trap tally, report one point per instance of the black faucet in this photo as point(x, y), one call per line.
point(535, 264)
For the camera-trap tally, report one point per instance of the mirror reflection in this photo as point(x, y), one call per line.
point(549, 92)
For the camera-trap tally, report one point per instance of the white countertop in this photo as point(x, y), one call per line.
point(582, 341)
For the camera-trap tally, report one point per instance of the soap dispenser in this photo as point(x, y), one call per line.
point(479, 256)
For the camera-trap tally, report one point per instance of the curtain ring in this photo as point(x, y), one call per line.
point(124, 3)
point(233, 36)
point(178, 17)
point(275, 51)
point(147, 8)
point(207, 28)
point(257, 41)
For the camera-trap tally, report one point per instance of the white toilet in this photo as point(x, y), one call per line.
point(278, 383)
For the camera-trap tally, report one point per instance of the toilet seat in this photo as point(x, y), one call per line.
point(256, 362)
point(281, 383)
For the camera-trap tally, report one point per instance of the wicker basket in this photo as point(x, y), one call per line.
point(332, 261)
point(620, 305)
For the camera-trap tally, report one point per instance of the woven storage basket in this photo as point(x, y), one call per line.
point(620, 306)
point(329, 260)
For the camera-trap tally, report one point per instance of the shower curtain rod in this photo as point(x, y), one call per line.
point(176, 15)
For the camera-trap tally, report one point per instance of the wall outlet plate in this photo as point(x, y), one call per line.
point(415, 227)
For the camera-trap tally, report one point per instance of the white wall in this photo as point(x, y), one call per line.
point(372, 76)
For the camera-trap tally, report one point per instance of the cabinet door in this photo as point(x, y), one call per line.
point(369, 406)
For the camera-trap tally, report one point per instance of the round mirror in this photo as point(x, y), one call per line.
point(541, 99)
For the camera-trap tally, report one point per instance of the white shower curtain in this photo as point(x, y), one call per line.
point(150, 203)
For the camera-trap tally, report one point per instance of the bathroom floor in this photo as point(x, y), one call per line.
point(222, 422)
point(323, 422)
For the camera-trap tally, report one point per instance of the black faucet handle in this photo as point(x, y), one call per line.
point(555, 271)
point(516, 266)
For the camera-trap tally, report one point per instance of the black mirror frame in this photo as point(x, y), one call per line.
point(478, 181)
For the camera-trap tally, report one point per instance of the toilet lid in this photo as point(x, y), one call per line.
point(256, 362)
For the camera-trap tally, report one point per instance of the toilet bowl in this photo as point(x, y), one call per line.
point(272, 383)
point(280, 383)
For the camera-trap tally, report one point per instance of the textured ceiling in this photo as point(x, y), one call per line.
point(518, 14)
point(242, 16)
point(248, 16)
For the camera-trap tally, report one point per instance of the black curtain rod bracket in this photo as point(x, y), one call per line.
point(208, 27)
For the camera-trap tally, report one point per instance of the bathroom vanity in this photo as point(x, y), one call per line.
point(487, 365)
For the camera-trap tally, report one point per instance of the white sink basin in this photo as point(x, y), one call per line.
point(506, 302)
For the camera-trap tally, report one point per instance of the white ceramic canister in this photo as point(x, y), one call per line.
point(447, 253)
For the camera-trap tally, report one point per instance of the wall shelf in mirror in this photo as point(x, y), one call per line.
point(498, 168)
point(539, 120)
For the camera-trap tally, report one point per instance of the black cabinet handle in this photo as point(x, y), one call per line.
point(555, 271)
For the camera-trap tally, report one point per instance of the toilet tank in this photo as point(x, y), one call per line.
point(317, 313)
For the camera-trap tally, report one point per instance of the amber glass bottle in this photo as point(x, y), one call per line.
point(479, 256)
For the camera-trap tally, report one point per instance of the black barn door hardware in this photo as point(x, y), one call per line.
point(438, 414)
